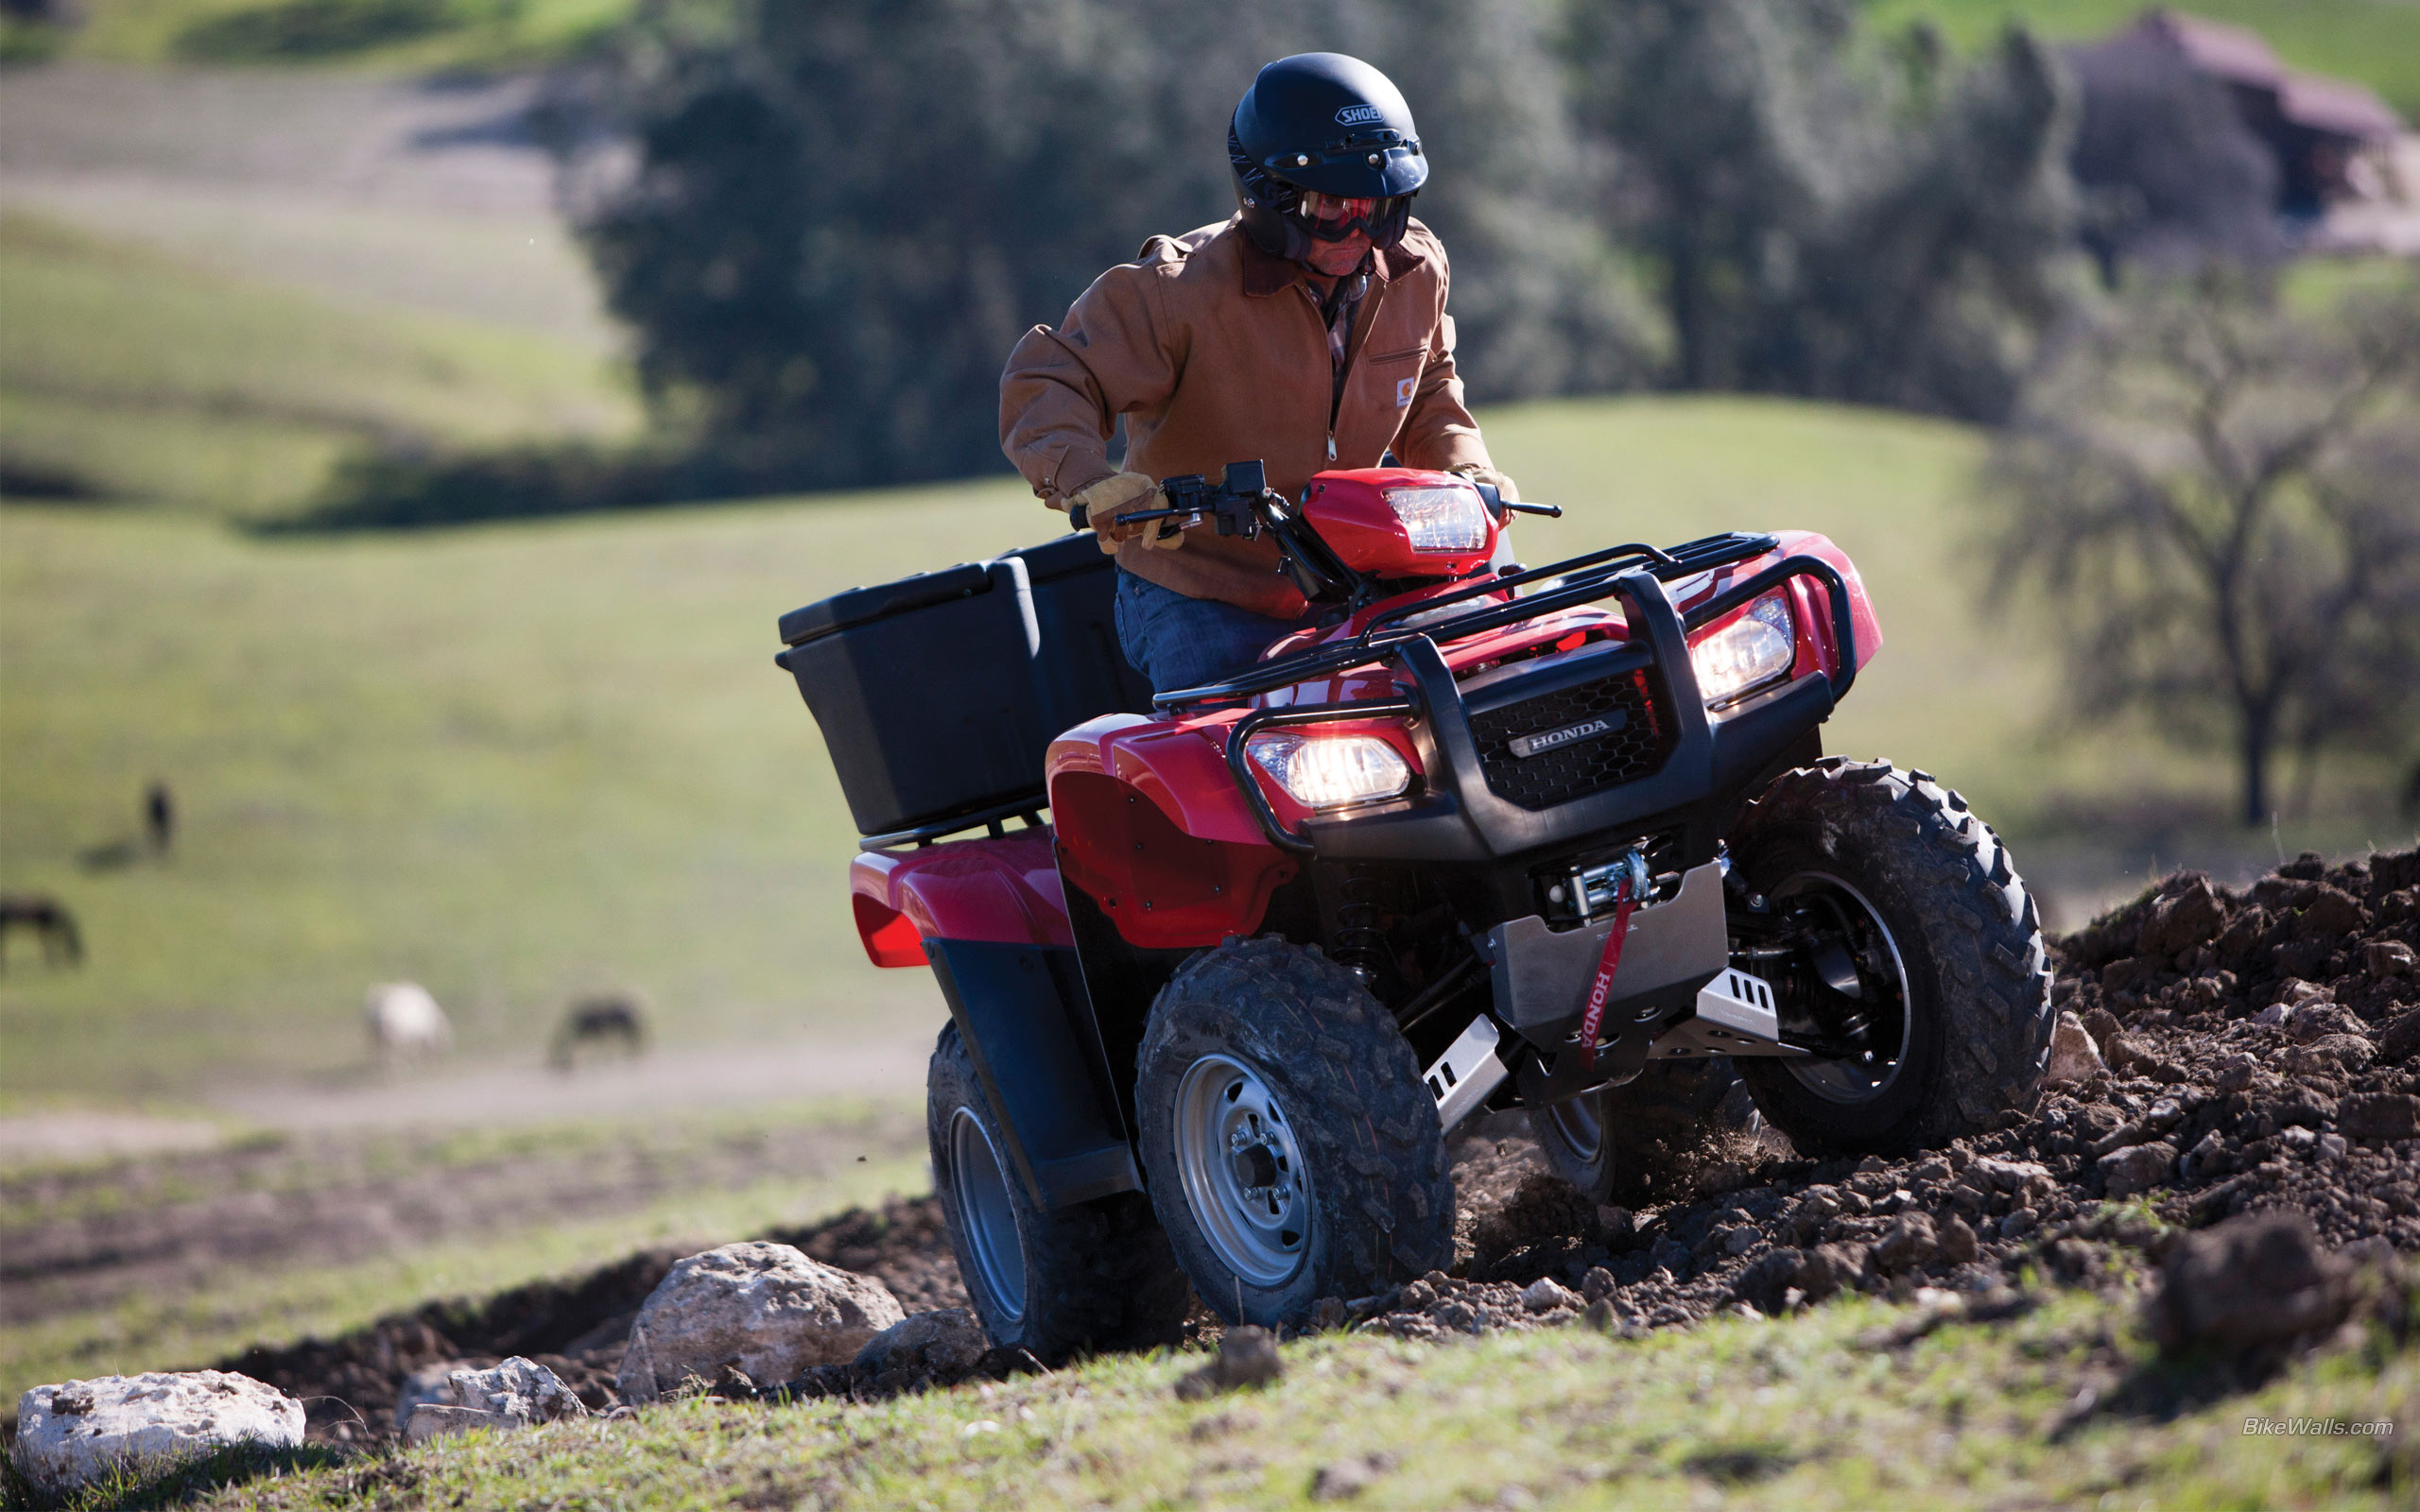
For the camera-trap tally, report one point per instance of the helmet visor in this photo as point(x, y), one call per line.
point(1332, 217)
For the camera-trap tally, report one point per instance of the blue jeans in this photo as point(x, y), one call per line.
point(1177, 641)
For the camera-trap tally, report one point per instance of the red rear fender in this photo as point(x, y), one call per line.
point(1005, 891)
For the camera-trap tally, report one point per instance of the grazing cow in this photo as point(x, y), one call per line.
point(50, 921)
point(405, 1023)
point(602, 1022)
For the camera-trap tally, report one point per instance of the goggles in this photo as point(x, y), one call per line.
point(1332, 217)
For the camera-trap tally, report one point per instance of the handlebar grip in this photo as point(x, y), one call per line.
point(1078, 518)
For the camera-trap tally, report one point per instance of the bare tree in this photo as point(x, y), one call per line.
point(2224, 496)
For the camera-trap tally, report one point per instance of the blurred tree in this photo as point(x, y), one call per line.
point(840, 219)
point(2224, 498)
point(1831, 216)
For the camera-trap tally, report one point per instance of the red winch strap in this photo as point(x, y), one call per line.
point(1594, 1019)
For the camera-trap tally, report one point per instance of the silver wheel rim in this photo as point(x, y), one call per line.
point(1575, 1122)
point(986, 1219)
point(1849, 1081)
point(1244, 1180)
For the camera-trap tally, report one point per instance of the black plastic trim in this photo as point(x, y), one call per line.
point(1028, 1024)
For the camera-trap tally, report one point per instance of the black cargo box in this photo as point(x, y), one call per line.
point(939, 693)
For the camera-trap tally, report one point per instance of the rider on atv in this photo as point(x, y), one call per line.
point(1475, 836)
point(1310, 329)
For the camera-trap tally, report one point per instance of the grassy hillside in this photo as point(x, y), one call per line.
point(400, 35)
point(1815, 1411)
point(521, 762)
point(2377, 42)
point(145, 377)
point(2374, 41)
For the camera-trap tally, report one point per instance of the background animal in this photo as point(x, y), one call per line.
point(603, 1022)
point(159, 817)
point(49, 919)
point(405, 1023)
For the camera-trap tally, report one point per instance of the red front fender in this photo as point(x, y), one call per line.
point(1152, 828)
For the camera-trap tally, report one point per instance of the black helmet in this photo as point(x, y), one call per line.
point(1335, 126)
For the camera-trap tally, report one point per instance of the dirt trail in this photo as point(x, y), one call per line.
point(76, 1239)
point(727, 1077)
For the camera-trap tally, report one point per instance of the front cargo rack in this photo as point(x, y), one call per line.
point(1562, 585)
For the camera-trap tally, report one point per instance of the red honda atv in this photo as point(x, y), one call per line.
point(1485, 838)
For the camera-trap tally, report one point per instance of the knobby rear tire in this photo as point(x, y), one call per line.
point(1097, 1275)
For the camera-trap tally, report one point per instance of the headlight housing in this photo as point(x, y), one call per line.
point(1441, 517)
point(1329, 771)
point(1756, 648)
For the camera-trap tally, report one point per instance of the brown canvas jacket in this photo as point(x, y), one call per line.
point(1214, 352)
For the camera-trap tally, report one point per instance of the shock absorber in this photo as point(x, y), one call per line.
point(1359, 942)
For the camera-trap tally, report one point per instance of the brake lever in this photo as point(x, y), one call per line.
point(1552, 511)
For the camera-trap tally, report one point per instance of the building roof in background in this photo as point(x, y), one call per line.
point(2236, 53)
point(2336, 106)
point(2240, 55)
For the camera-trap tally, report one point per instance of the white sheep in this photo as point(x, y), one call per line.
point(404, 1024)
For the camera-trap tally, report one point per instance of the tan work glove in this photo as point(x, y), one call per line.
point(1477, 472)
point(1121, 493)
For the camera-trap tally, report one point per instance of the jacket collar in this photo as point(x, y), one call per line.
point(1264, 275)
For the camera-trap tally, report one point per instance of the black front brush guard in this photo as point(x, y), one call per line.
point(1456, 816)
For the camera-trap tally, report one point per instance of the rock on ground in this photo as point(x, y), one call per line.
point(77, 1432)
point(762, 1309)
point(2073, 1054)
point(517, 1393)
point(1246, 1357)
point(2249, 1283)
point(936, 1348)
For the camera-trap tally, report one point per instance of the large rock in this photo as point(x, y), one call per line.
point(80, 1431)
point(936, 1348)
point(2251, 1283)
point(763, 1309)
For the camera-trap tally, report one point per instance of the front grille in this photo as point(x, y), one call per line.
point(1580, 764)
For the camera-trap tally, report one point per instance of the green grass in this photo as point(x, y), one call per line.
point(388, 35)
point(1804, 1412)
point(2372, 42)
point(216, 1311)
point(521, 762)
point(152, 379)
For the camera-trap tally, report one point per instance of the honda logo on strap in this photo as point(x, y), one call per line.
point(1525, 747)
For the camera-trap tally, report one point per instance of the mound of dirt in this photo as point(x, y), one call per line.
point(2263, 1054)
point(2260, 1048)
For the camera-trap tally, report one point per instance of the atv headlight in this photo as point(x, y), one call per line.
point(1747, 653)
point(1326, 771)
point(1444, 518)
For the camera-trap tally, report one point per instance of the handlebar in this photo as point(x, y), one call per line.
point(1241, 503)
